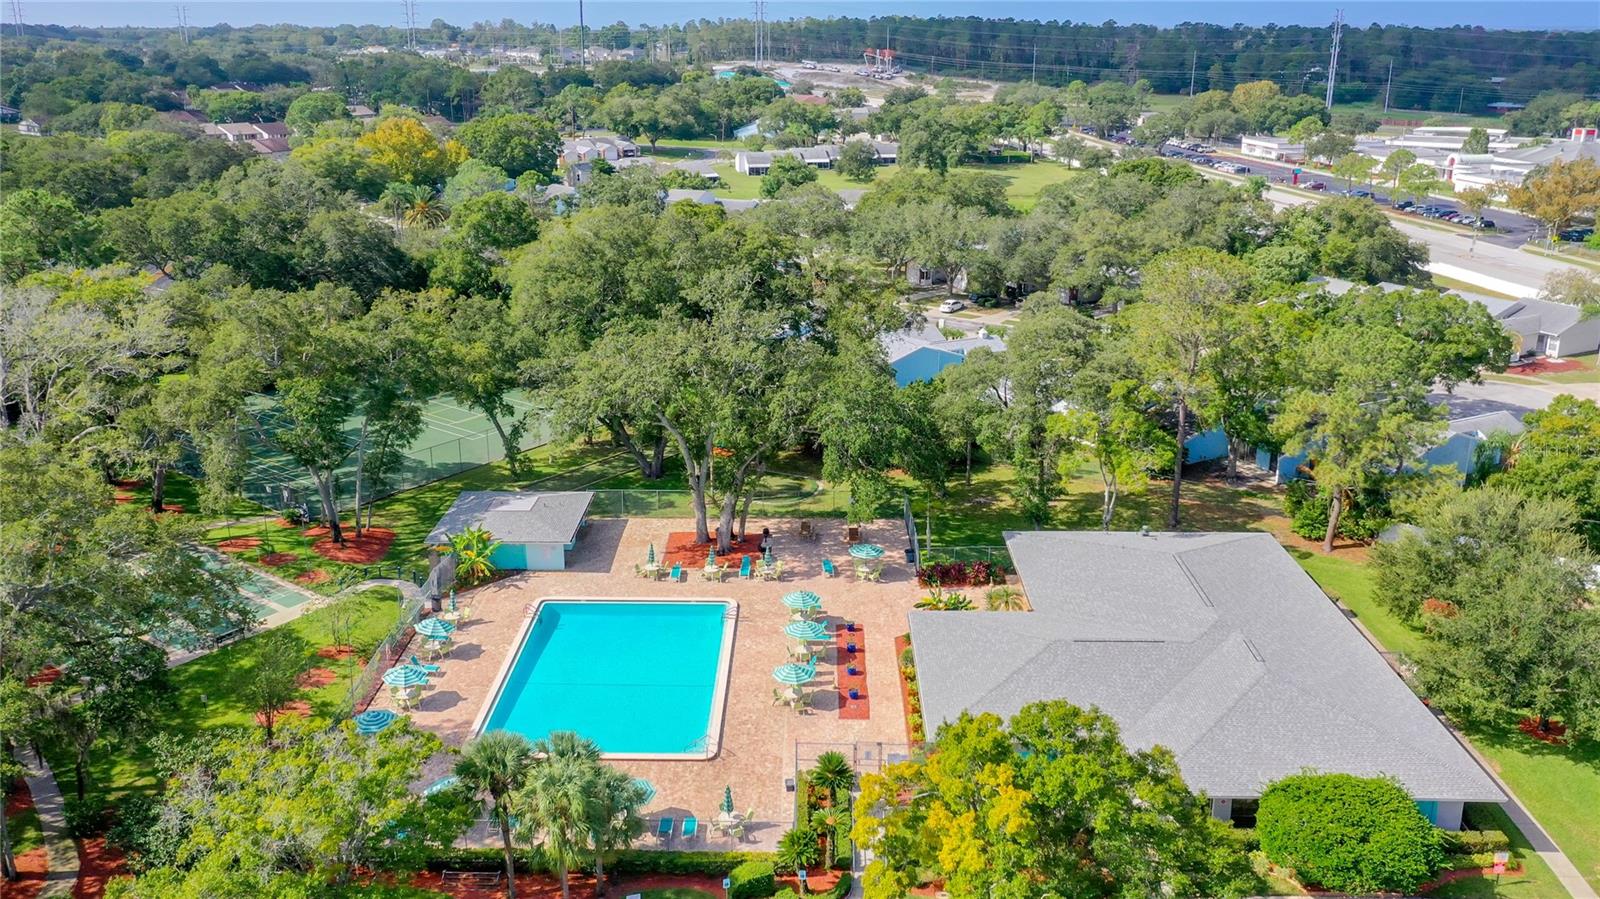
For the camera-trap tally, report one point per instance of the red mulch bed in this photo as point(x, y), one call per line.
point(313, 577)
point(853, 709)
point(682, 550)
point(297, 709)
point(317, 677)
point(336, 652)
point(97, 864)
point(370, 547)
point(900, 644)
point(323, 530)
point(47, 675)
point(122, 497)
point(1552, 732)
point(286, 523)
point(273, 560)
point(239, 544)
point(1543, 366)
point(129, 483)
point(32, 865)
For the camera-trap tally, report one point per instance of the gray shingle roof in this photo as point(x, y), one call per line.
point(1217, 646)
point(515, 517)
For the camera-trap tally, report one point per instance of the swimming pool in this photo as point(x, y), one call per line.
point(642, 678)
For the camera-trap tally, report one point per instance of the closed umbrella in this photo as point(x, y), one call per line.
point(767, 556)
point(866, 551)
point(405, 676)
point(650, 557)
point(711, 556)
point(727, 801)
point(373, 720)
point(806, 630)
point(435, 628)
point(802, 599)
point(794, 674)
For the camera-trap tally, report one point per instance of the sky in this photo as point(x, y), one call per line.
point(1534, 14)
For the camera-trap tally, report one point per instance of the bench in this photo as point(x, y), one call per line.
point(482, 880)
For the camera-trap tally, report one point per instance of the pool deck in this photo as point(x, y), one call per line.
point(759, 740)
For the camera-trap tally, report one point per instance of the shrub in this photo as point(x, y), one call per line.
point(1475, 842)
point(1364, 517)
point(961, 574)
point(752, 880)
point(83, 818)
point(1347, 833)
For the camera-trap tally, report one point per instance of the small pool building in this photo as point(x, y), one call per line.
point(535, 530)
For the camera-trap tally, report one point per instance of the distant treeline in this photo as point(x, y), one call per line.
point(1440, 69)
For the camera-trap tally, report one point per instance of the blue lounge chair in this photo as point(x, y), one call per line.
point(677, 571)
point(664, 829)
point(828, 569)
point(431, 669)
point(690, 828)
point(744, 568)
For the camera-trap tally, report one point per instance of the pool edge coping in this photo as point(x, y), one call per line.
point(719, 694)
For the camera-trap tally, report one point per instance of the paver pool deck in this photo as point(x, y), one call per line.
point(759, 739)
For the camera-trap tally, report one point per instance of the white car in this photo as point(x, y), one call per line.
point(952, 306)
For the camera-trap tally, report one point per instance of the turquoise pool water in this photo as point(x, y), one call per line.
point(635, 677)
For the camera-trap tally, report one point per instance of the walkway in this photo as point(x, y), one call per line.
point(60, 848)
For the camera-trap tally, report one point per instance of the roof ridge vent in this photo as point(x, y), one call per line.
point(1200, 591)
point(1250, 645)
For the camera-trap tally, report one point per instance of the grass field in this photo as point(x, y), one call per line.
point(206, 696)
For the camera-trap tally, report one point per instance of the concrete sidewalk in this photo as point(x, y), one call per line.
point(61, 849)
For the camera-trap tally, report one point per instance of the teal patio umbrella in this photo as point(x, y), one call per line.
point(867, 551)
point(373, 720)
point(794, 674)
point(711, 556)
point(405, 676)
point(767, 557)
point(802, 599)
point(650, 557)
point(806, 630)
point(647, 790)
point(435, 628)
point(727, 801)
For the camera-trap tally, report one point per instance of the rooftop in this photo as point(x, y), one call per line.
point(514, 517)
point(1216, 645)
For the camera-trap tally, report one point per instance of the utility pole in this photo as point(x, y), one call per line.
point(1194, 66)
point(1034, 75)
point(583, 61)
point(1333, 57)
point(1387, 84)
point(183, 21)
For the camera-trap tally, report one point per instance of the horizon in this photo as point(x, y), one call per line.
point(1542, 15)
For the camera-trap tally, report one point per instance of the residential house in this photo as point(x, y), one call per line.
point(535, 530)
point(9, 113)
point(700, 197)
point(588, 149)
point(1217, 646)
point(919, 354)
point(822, 156)
point(30, 128)
point(1543, 327)
point(360, 113)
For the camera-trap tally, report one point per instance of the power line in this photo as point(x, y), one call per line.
point(1333, 57)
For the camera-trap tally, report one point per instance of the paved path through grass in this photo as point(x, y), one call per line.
point(60, 849)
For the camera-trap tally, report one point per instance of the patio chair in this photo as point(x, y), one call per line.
point(807, 532)
point(431, 669)
point(744, 568)
point(691, 827)
point(852, 534)
point(664, 829)
point(677, 572)
point(828, 569)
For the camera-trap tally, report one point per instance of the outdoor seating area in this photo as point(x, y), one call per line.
point(407, 681)
point(796, 626)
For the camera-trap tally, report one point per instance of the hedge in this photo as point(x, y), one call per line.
point(752, 880)
point(1475, 842)
point(1348, 834)
point(632, 861)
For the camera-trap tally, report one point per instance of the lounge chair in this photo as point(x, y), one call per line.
point(744, 568)
point(431, 669)
point(691, 826)
point(677, 571)
point(664, 829)
point(828, 569)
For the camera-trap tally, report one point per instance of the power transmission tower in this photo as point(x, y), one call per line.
point(183, 22)
point(1333, 57)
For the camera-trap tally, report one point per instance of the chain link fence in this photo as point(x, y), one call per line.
point(365, 685)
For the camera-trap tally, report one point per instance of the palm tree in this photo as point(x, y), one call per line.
point(496, 765)
point(556, 810)
point(472, 548)
point(833, 773)
point(1004, 599)
point(798, 849)
point(427, 210)
point(614, 820)
point(565, 744)
point(397, 197)
point(827, 821)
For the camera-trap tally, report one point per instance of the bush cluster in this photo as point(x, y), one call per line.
point(752, 880)
point(1307, 508)
point(839, 890)
point(1348, 834)
point(961, 574)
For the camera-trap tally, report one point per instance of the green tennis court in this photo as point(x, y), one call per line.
point(453, 439)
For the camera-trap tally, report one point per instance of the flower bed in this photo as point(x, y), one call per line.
point(961, 574)
point(910, 699)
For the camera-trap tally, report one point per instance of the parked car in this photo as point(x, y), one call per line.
point(1486, 224)
point(1316, 185)
point(1405, 205)
point(1363, 194)
point(952, 305)
point(1575, 235)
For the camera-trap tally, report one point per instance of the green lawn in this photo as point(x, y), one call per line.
point(184, 492)
point(24, 831)
point(205, 696)
point(1024, 180)
point(1589, 374)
